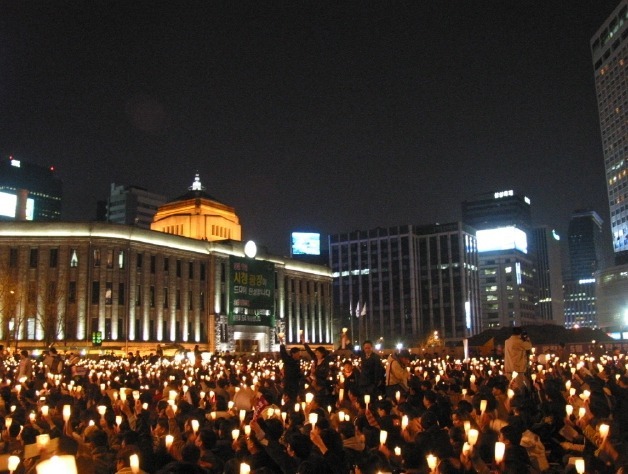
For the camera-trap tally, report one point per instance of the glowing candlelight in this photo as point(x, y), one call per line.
point(466, 448)
point(580, 466)
point(235, 434)
point(44, 410)
point(242, 415)
point(397, 396)
point(102, 409)
point(14, 462)
point(136, 394)
point(404, 422)
point(309, 397)
point(483, 404)
point(511, 393)
point(247, 430)
point(432, 461)
point(134, 462)
point(195, 426)
point(118, 420)
point(297, 407)
point(581, 412)
point(604, 428)
point(245, 468)
point(569, 409)
point(231, 404)
point(341, 394)
point(383, 435)
point(467, 427)
point(32, 417)
point(172, 395)
point(500, 449)
point(397, 451)
point(473, 436)
point(169, 441)
point(367, 400)
point(344, 330)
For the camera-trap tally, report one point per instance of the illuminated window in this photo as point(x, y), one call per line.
point(73, 259)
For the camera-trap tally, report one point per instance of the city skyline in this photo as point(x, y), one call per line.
point(318, 117)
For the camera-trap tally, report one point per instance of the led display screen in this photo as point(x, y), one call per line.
point(8, 205)
point(502, 238)
point(306, 243)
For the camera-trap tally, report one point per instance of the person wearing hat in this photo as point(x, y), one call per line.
point(396, 374)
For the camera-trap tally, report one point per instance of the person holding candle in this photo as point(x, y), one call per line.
point(371, 371)
point(123, 462)
point(397, 375)
point(320, 371)
point(292, 376)
point(515, 352)
point(25, 367)
point(516, 457)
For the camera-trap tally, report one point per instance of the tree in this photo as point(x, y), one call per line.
point(11, 296)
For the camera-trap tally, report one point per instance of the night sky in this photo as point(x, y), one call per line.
point(328, 116)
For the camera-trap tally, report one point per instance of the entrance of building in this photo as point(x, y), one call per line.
point(246, 345)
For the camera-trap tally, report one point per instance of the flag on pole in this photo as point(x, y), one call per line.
point(350, 308)
point(363, 313)
point(357, 310)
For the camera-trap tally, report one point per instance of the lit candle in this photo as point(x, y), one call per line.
point(397, 396)
point(432, 461)
point(169, 441)
point(341, 394)
point(195, 426)
point(102, 409)
point(242, 415)
point(397, 451)
point(483, 404)
point(511, 393)
point(309, 397)
point(473, 436)
point(32, 417)
point(245, 468)
point(283, 416)
point(569, 409)
point(344, 330)
point(235, 434)
point(579, 465)
point(341, 415)
point(500, 449)
point(466, 448)
point(14, 462)
point(247, 430)
point(44, 410)
point(297, 407)
point(367, 400)
point(118, 420)
point(383, 435)
point(404, 422)
point(581, 412)
point(604, 428)
point(313, 418)
point(134, 462)
point(467, 427)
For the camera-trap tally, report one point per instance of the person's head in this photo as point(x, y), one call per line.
point(295, 352)
point(206, 439)
point(161, 428)
point(346, 429)
point(367, 347)
point(429, 398)
point(24, 353)
point(510, 434)
point(404, 356)
point(517, 330)
point(299, 446)
point(320, 353)
point(190, 453)
point(347, 368)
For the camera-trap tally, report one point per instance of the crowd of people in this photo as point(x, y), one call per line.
point(315, 411)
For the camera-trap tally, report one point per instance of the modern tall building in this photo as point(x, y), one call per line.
point(132, 205)
point(508, 285)
point(546, 249)
point(609, 48)
point(585, 244)
point(29, 191)
point(400, 284)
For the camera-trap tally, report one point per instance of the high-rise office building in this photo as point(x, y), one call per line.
point(132, 205)
point(546, 249)
point(403, 283)
point(609, 48)
point(508, 286)
point(585, 244)
point(29, 191)
point(585, 257)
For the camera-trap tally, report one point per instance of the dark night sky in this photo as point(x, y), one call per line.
point(326, 116)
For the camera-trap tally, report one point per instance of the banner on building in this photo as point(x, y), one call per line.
point(252, 292)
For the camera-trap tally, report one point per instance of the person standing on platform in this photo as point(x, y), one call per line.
point(291, 370)
point(371, 372)
point(515, 352)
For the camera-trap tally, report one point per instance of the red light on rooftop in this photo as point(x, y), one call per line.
point(52, 168)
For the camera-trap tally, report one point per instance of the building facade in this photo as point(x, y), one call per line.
point(585, 259)
point(29, 192)
point(507, 268)
point(609, 49)
point(198, 215)
point(612, 300)
point(400, 284)
point(64, 281)
point(132, 205)
point(546, 249)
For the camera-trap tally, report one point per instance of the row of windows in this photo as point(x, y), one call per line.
point(165, 296)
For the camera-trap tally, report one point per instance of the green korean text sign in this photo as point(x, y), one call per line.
point(252, 292)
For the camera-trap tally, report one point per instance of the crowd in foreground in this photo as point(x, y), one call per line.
point(337, 413)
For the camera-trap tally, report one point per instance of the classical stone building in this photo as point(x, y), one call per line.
point(65, 281)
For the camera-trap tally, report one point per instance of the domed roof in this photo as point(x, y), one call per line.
point(196, 191)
